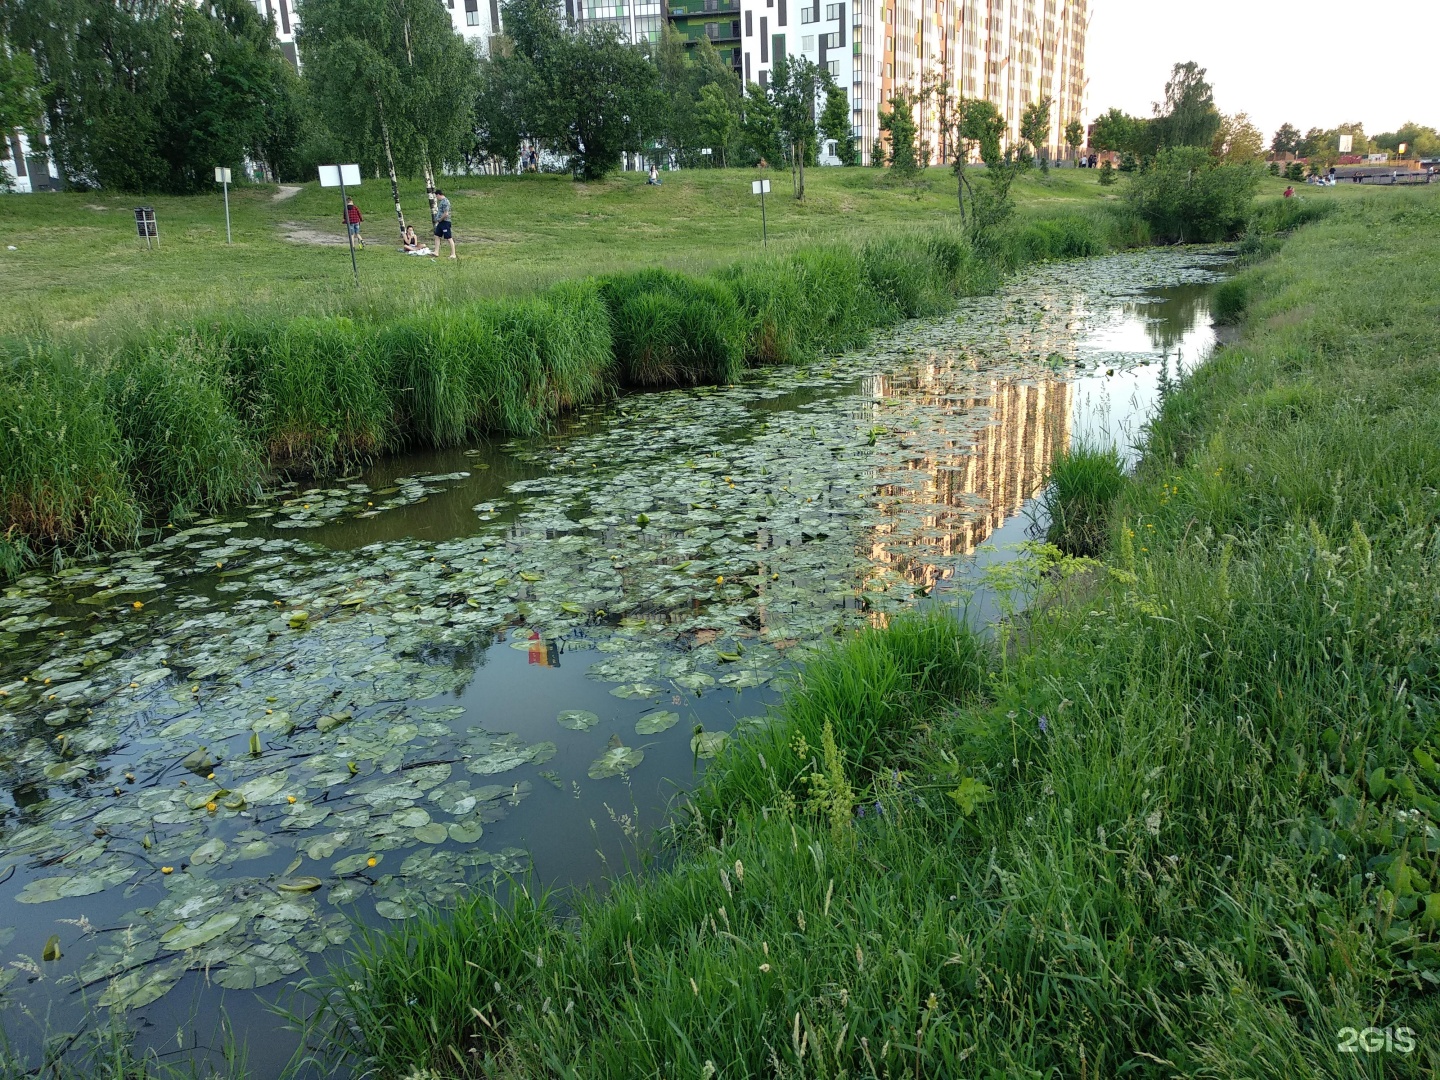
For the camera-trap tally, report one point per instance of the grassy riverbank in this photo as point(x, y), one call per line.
point(101, 437)
point(1187, 825)
point(79, 265)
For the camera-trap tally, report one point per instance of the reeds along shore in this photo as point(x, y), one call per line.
point(99, 438)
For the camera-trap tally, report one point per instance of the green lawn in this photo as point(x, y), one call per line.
point(80, 264)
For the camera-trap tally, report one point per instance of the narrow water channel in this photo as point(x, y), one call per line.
point(346, 702)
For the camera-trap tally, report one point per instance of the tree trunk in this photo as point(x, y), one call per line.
point(800, 165)
point(390, 163)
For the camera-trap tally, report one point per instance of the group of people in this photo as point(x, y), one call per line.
point(410, 244)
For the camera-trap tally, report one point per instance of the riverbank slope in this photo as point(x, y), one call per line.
point(1188, 824)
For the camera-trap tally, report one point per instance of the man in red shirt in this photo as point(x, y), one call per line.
point(353, 219)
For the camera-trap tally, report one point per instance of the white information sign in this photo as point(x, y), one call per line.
point(759, 187)
point(337, 175)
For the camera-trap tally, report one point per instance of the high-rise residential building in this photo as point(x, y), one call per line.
point(1013, 52)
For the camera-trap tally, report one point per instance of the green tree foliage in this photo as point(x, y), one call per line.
point(1237, 140)
point(1035, 129)
point(20, 103)
point(760, 127)
point(796, 84)
point(589, 94)
point(1418, 141)
point(835, 123)
point(393, 80)
point(1074, 136)
point(1187, 116)
point(602, 100)
point(1286, 140)
point(1118, 132)
point(983, 208)
point(717, 119)
point(899, 123)
point(149, 95)
point(1187, 196)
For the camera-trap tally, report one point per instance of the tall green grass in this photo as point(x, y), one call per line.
point(1084, 483)
point(1185, 826)
point(674, 330)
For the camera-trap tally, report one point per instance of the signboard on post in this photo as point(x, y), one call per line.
point(340, 176)
point(1347, 144)
point(222, 176)
point(761, 188)
point(146, 225)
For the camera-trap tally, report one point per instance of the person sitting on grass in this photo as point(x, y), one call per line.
point(412, 245)
point(654, 175)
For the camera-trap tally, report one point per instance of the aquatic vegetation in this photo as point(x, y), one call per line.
point(685, 549)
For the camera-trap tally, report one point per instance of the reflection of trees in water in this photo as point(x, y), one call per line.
point(976, 482)
point(1173, 314)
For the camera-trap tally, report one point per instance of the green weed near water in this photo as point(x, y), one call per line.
point(1084, 484)
point(670, 329)
point(1185, 826)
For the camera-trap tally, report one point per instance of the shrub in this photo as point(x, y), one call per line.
point(1187, 197)
point(905, 276)
point(1230, 299)
point(777, 309)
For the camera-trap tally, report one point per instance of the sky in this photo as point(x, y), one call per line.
point(1312, 64)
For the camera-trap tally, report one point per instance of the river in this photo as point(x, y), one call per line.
point(348, 701)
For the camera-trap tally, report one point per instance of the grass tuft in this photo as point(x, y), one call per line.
point(1084, 484)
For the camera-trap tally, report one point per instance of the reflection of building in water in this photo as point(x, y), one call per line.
point(977, 481)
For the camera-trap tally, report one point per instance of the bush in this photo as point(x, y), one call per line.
point(1189, 198)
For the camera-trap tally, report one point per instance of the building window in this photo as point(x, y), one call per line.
point(833, 66)
point(807, 43)
point(472, 12)
point(807, 14)
point(830, 41)
point(834, 12)
point(712, 30)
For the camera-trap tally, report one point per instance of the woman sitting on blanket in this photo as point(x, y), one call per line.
point(412, 243)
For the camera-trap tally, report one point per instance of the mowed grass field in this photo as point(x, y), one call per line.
point(78, 263)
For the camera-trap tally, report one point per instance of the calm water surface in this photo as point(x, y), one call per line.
point(507, 658)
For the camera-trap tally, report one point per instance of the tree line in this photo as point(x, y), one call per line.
point(151, 95)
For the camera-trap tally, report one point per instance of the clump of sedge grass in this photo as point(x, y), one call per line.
point(1084, 483)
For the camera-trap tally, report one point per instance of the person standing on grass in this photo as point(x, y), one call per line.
point(353, 219)
point(442, 222)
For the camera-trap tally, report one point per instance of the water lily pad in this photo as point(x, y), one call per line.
point(636, 690)
point(578, 719)
point(182, 937)
point(208, 852)
point(656, 722)
point(709, 743)
point(433, 833)
point(615, 760)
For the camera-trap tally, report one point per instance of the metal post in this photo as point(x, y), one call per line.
point(764, 228)
point(345, 217)
point(227, 210)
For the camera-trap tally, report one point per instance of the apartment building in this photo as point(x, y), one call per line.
point(1013, 52)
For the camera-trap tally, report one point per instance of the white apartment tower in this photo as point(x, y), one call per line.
point(1013, 52)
